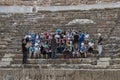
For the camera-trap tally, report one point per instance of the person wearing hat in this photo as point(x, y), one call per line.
point(90, 47)
point(83, 50)
point(100, 44)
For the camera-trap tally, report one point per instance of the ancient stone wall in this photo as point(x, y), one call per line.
point(52, 2)
point(65, 74)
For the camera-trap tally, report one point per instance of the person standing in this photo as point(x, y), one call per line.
point(75, 40)
point(100, 39)
point(81, 39)
point(24, 51)
point(53, 47)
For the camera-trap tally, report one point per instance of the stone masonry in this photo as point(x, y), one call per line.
point(52, 2)
point(65, 74)
point(14, 25)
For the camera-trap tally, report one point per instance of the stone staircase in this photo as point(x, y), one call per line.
point(14, 26)
point(78, 63)
point(114, 40)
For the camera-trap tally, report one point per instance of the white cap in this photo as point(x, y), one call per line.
point(57, 36)
point(70, 42)
point(68, 38)
point(82, 44)
point(99, 34)
point(64, 36)
point(42, 33)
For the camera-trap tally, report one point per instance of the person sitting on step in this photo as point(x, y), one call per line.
point(83, 50)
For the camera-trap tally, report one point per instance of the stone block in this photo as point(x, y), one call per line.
point(17, 61)
point(116, 61)
point(115, 66)
point(33, 61)
point(7, 59)
point(3, 42)
point(106, 63)
point(3, 46)
point(4, 63)
point(8, 55)
point(18, 56)
point(104, 59)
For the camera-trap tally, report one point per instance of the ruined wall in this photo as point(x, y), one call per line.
point(38, 74)
point(52, 2)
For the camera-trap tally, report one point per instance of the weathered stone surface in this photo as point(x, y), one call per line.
point(3, 42)
point(104, 59)
point(52, 2)
point(115, 66)
point(2, 64)
point(7, 59)
point(57, 74)
point(106, 16)
point(56, 61)
point(106, 63)
point(8, 55)
point(3, 46)
point(116, 55)
point(116, 61)
point(45, 20)
point(9, 77)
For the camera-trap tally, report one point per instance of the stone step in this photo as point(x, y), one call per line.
point(6, 59)
point(9, 55)
point(61, 66)
point(104, 59)
point(9, 51)
point(57, 61)
point(19, 56)
point(116, 61)
point(3, 46)
point(3, 42)
point(103, 63)
point(116, 55)
point(4, 63)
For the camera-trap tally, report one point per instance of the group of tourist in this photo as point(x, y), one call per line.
point(71, 44)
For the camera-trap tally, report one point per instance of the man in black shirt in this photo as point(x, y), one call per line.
point(24, 51)
point(53, 47)
point(75, 41)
